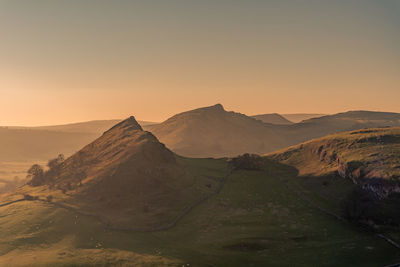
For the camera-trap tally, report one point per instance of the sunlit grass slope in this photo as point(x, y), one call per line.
point(373, 152)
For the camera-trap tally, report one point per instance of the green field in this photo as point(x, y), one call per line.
point(254, 221)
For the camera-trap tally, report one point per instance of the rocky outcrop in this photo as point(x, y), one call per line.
point(381, 188)
point(353, 170)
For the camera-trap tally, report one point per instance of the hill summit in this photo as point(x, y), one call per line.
point(127, 178)
point(213, 131)
point(129, 123)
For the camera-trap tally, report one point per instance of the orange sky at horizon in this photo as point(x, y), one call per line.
point(71, 61)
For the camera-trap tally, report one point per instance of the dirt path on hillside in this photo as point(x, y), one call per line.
point(12, 202)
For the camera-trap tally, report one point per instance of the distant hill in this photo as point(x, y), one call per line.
point(27, 144)
point(341, 122)
point(273, 118)
point(367, 153)
point(298, 117)
point(96, 126)
point(204, 132)
point(212, 131)
point(44, 142)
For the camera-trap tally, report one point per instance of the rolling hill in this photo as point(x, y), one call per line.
point(205, 132)
point(22, 146)
point(127, 178)
point(341, 122)
point(134, 185)
point(369, 159)
point(214, 132)
point(367, 153)
point(273, 118)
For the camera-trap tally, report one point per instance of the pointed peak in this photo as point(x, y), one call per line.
point(128, 124)
point(218, 106)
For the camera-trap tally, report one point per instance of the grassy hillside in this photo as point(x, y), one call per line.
point(126, 178)
point(256, 220)
point(372, 153)
point(273, 118)
point(341, 122)
point(369, 159)
point(214, 132)
point(23, 146)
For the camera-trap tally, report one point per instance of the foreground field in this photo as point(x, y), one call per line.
point(256, 220)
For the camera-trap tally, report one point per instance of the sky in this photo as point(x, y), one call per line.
point(77, 60)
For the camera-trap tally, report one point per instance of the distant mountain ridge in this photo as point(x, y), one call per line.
point(204, 132)
point(299, 117)
point(273, 118)
point(95, 126)
point(212, 131)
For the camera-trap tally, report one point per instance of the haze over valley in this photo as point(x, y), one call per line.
point(200, 133)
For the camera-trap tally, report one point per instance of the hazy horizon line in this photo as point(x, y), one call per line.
point(60, 123)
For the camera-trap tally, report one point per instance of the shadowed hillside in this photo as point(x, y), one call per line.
point(369, 159)
point(21, 146)
point(127, 178)
point(273, 118)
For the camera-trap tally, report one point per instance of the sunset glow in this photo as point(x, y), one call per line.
point(66, 61)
